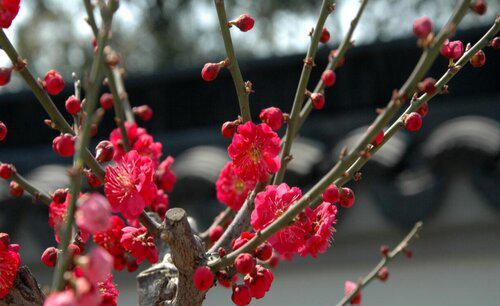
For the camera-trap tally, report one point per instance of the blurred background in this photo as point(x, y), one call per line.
point(447, 174)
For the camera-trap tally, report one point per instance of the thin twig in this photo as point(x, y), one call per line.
point(233, 67)
point(383, 263)
point(220, 220)
point(300, 94)
point(112, 84)
point(337, 171)
point(344, 46)
point(83, 139)
point(30, 188)
point(240, 222)
point(122, 110)
point(450, 73)
point(45, 100)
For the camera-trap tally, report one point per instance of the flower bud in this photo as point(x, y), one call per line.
point(3, 131)
point(215, 233)
point(73, 105)
point(318, 100)
point(104, 151)
point(428, 85)
point(6, 171)
point(144, 112)
point(340, 61)
point(228, 129)
point(346, 198)
point(210, 71)
point(452, 49)
point(64, 145)
point(325, 36)
point(92, 179)
point(495, 43)
point(59, 195)
point(245, 22)
point(106, 100)
point(479, 7)
point(241, 295)
point(413, 122)
point(328, 77)
point(203, 278)
point(53, 82)
point(423, 109)
point(15, 189)
point(49, 257)
point(273, 117)
point(264, 251)
point(422, 27)
point(383, 274)
point(384, 250)
point(331, 194)
point(5, 74)
point(478, 59)
point(244, 263)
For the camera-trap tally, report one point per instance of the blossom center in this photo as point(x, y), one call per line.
point(255, 154)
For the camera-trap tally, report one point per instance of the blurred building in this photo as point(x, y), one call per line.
point(447, 174)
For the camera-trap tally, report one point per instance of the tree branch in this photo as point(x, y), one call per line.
point(221, 219)
point(344, 45)
point(44, 99)
point(240, 223)
point(338, 170)
point(383, 262)
point(326, 9)
point(187, 254)
point(83, 139)
point(398, 124)
point(233, 67)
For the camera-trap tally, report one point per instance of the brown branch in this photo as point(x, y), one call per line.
point(57, 118)
point(240, 222)
point(233, 67)
point(30, 188)
point(25, 291)
point(187, 254)
point(338, 170)
point(326, 9)
point(83, 138)
point(443, 81)
point(344, 46)
point(220, 220)
point(383, 263)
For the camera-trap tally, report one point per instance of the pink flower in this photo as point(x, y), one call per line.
point(259, 282)
point(241, 240)
point(8, 11)
point(254, 151)
point(145, 146)
point(452, 49)
point(133, 132)
point(140, 245)
point(62, 298)
point(96, 265)
point(318, 238)
point(160, 203)
point(108, 292)
point(9, 262)
point(270, 204)
point(129, 185)
point(165, 177)
point(231, 190)
point(93, 213)
point(110, 238)
point(350, 287)
point(57, 216)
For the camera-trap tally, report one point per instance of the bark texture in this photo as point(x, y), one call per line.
point(25, 291)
